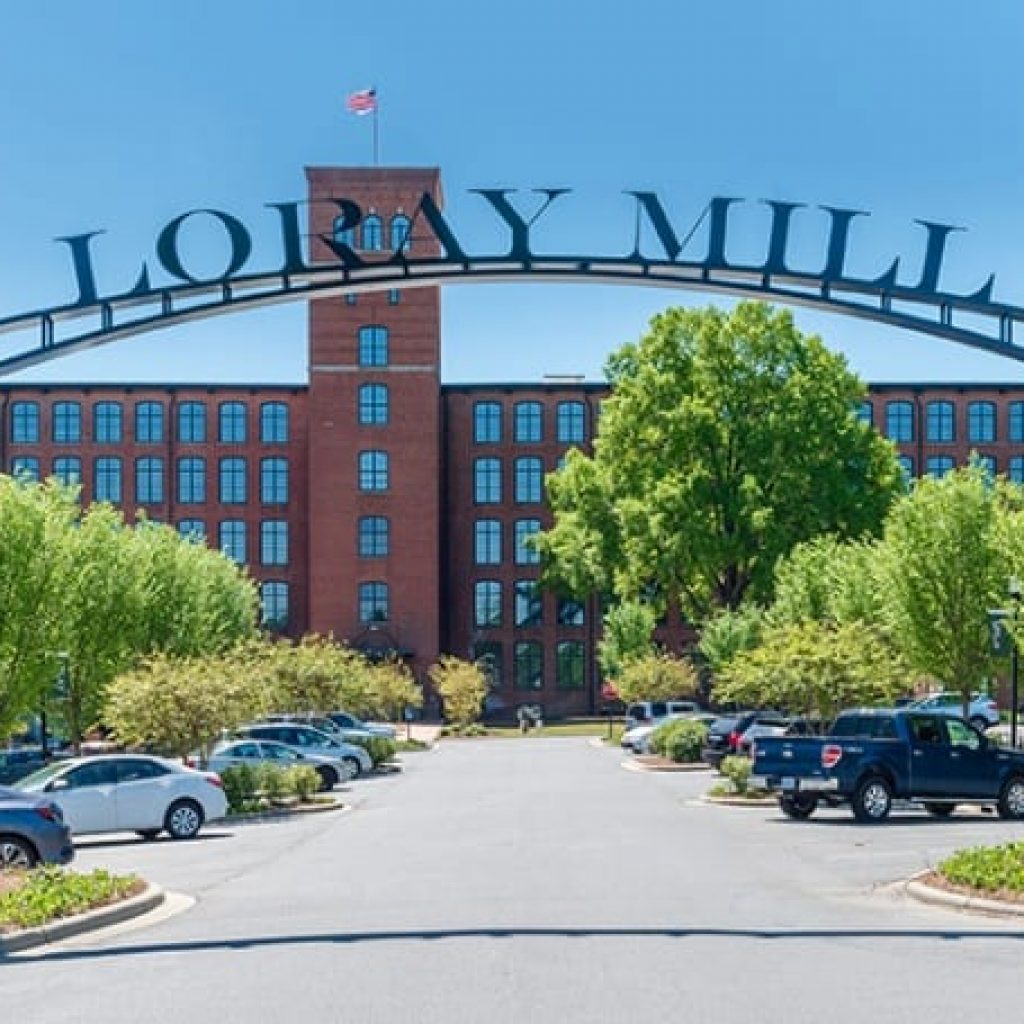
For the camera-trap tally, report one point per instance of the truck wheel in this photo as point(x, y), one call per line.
point(798, 807)
point(940, 810)
point(1011, 798)
point(873, 800)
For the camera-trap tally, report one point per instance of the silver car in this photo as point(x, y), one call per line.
point(983, 712)
point(308, 740)
point(331, 770)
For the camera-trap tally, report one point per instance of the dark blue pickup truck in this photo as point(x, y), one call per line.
point(871, 757)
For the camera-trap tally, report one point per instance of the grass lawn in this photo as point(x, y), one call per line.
point(567, 727)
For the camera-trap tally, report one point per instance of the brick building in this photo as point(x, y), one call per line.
point(388, 508)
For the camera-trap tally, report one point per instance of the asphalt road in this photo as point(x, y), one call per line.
point(535, 881)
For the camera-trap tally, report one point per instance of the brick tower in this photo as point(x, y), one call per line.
point(374, 428)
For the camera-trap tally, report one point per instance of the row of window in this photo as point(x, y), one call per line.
point(233, 539)
point(528, 664)
point(108, 473)
point(940, 465)
point(528, 422)
point(487, 541)
point(108, 422)
point(528, 480)
point(940, 421)
point(371, 233)
point(529, 605)
point(394, 297)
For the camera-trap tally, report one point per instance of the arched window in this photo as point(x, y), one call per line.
point(149, 481)
point(373, 471)
point(373, 233)
point(232, 423)
point(149, 423)
point(373, 404)
point(899, 421)
point(274, 602)
point(106, 423)
point(940, 424)
point(274, 423)
point(981, 422)
point(401, 227)
point(192, 481)
point(341, 234)
point(374, 602)
point(373, 345)
point(487, 603)
point(25, 422)
point(192, 422)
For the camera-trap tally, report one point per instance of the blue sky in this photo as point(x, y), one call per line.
point(121, 115)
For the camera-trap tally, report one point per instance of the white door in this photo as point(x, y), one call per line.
point(86, 796)
point(142, 794)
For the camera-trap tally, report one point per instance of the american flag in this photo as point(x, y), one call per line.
point(362, 102)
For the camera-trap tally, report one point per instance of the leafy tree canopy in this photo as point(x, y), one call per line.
point(728, 438)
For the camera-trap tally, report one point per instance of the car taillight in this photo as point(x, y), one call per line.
point(830, 755)
point(214, 779)
point(734, 740)
point(191, 762)
point(50, 812)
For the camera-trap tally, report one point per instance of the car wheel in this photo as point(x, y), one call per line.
point(979, 722)
point(328, 777)
point(16, 853)
point(149, 834)
point(184, 819)
point(353, 766)
point(1011, 798)
point(873, 800)
point(798, 807)
point(940, 810)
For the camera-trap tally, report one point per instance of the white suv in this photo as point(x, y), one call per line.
point(982, 713)
point(644, 711)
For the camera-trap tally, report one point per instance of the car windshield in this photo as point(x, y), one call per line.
point(39, 777)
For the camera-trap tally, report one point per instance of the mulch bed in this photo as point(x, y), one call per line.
point(937, 881)
point(658, 761)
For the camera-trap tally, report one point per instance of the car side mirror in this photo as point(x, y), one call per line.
point(58, 785)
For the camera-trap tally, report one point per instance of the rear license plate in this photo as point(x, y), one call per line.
point(788, 782)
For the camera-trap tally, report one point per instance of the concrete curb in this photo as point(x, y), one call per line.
point(633, 766)
point(736, 801)
point(283, 814)
point(67, 927)
point(925, 893)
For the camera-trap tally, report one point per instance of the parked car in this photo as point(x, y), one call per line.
point(250, 751)
point(32, 831)
point(982, 713)
point(18, 762)
point(726, 733)
point(638, 738)
point(326, 725)
point(344, 720)
point(871, 757)
point(130, 793)
point(758, 730)
point(312, 741)
point(643, 712)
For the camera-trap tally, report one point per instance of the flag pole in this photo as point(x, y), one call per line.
point(376, 132)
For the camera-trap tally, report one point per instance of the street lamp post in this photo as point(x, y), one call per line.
point(1014, 591)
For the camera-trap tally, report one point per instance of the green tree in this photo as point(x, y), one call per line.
point(463, 687)
point(944, 565)
point(728, 439)
point(315, 676)
point(181, 705)
point(656, 677)
point(35, 522)
point(729, 633)
point(815, 669)
point(393, 689)
point(627, 636)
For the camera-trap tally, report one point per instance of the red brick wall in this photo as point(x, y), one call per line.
point(411, 438)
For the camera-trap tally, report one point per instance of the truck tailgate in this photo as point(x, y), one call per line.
point(789, 757)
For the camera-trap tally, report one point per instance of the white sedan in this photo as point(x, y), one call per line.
point(130, 793)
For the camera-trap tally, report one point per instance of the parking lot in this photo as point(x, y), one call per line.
point(536, 879)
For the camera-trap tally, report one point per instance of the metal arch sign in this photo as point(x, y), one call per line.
point(658, 254)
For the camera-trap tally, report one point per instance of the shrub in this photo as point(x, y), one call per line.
point(51, 892)
point(302, 780)
point(463, 686)
point(380, 748)
point(681, 740)
point(991, 868)
point(473, 729)
point(272, 782)
point(240, 786)
point(737, 770)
